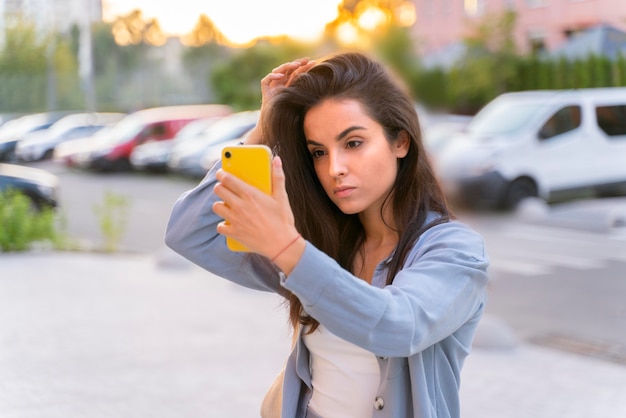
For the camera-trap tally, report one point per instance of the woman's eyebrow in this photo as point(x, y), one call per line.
point(342, 135)
point(345, 132)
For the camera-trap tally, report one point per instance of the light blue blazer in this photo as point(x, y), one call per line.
point(420, 327)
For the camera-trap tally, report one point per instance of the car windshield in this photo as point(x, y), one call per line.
point(64, 127)
point(123, 131)
point(228, 128)
point(224, 132)
point(503, 116)
point(193, 129)
point(20, 126)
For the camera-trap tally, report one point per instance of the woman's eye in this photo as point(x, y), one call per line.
point(317, 153)
point(353, 144)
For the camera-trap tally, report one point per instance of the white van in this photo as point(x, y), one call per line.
point(553, 144)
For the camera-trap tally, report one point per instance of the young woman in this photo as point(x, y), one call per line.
point(385, 289)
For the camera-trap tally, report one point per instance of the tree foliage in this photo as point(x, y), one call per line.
point(395, 48)
point(36, 71)
point(203, 33)
point(133, 29)
point(490, 60)
point(237, 80)
point(23, 52)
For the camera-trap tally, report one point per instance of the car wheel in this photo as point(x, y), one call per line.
point(122, 164)
point(10, 156)
point(48, 154)
point(519, 190)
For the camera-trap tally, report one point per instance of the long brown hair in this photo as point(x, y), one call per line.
point(415, 192)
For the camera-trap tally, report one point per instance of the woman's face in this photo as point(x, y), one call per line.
point(354, 161)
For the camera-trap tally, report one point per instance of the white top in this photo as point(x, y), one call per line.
point(345, 377)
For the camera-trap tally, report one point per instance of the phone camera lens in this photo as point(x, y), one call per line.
point(227, 154)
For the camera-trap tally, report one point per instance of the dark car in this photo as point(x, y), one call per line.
point(12, 131)
point(40, 186)
point(40, 145)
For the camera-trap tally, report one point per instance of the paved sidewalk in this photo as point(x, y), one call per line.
point(126, 336)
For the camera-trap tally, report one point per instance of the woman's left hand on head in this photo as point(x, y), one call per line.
point(281, 76)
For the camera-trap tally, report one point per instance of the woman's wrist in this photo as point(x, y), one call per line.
point(255, 137)
point(287, 259)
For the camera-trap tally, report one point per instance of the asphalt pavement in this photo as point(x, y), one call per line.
point(122, 335)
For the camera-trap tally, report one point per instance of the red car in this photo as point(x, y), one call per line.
point(110, 150)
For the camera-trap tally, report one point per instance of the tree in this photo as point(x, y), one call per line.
point(23, 68)
point(205, 48)
point(237, 80)
point(490, 63)
point(24, 52)
point(67, 86)
point(204, 32)
point(133, 29)
point(396, 49)
point(360, 22)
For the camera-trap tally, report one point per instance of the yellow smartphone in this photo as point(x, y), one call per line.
point(252, 164)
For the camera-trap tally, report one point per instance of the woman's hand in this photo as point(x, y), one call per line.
point(263, 223)
point(281, 76)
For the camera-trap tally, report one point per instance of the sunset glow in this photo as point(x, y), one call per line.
point(241, 21)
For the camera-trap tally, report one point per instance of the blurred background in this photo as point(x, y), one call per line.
point(110, 110)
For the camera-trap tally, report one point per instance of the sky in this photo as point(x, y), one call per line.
point(239, 20)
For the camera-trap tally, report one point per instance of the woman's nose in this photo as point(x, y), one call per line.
point(337, 166)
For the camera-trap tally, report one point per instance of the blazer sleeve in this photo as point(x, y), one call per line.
point(441, 287)
point(191, 232)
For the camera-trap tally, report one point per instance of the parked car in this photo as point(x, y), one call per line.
point(153, 156)
point(439, 132)
point(5, 117)
point(12, 131)
point(186, 157)
point(112, 151)
point(67, 151)
point(40, 186)
point(213, 153)
point(40, 145)
point(553, 145)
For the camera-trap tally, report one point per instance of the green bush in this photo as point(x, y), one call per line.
point(21, 224)
point(112, 215)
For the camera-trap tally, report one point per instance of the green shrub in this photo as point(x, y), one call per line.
point(112, 214)
point(21, 224)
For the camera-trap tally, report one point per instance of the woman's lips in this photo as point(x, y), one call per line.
point(343, 191)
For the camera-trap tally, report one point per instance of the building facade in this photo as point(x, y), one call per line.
point(51, 15)
point(540, 25)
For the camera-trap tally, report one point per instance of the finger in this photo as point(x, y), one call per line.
point(308, 66)
point(223, 228)
point(272, 77)
point(231, 183)
point(278, 179)
point(290, 65)
point(227, 195)
point(295, 68)
point(221, 209)
point(293, 76)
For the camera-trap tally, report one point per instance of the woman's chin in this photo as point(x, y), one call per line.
point(350, 209)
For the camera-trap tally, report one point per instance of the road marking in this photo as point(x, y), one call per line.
point(574, 243)
point(516, 266)
point(531, 250)
point(554, 259)
point(618, 234)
